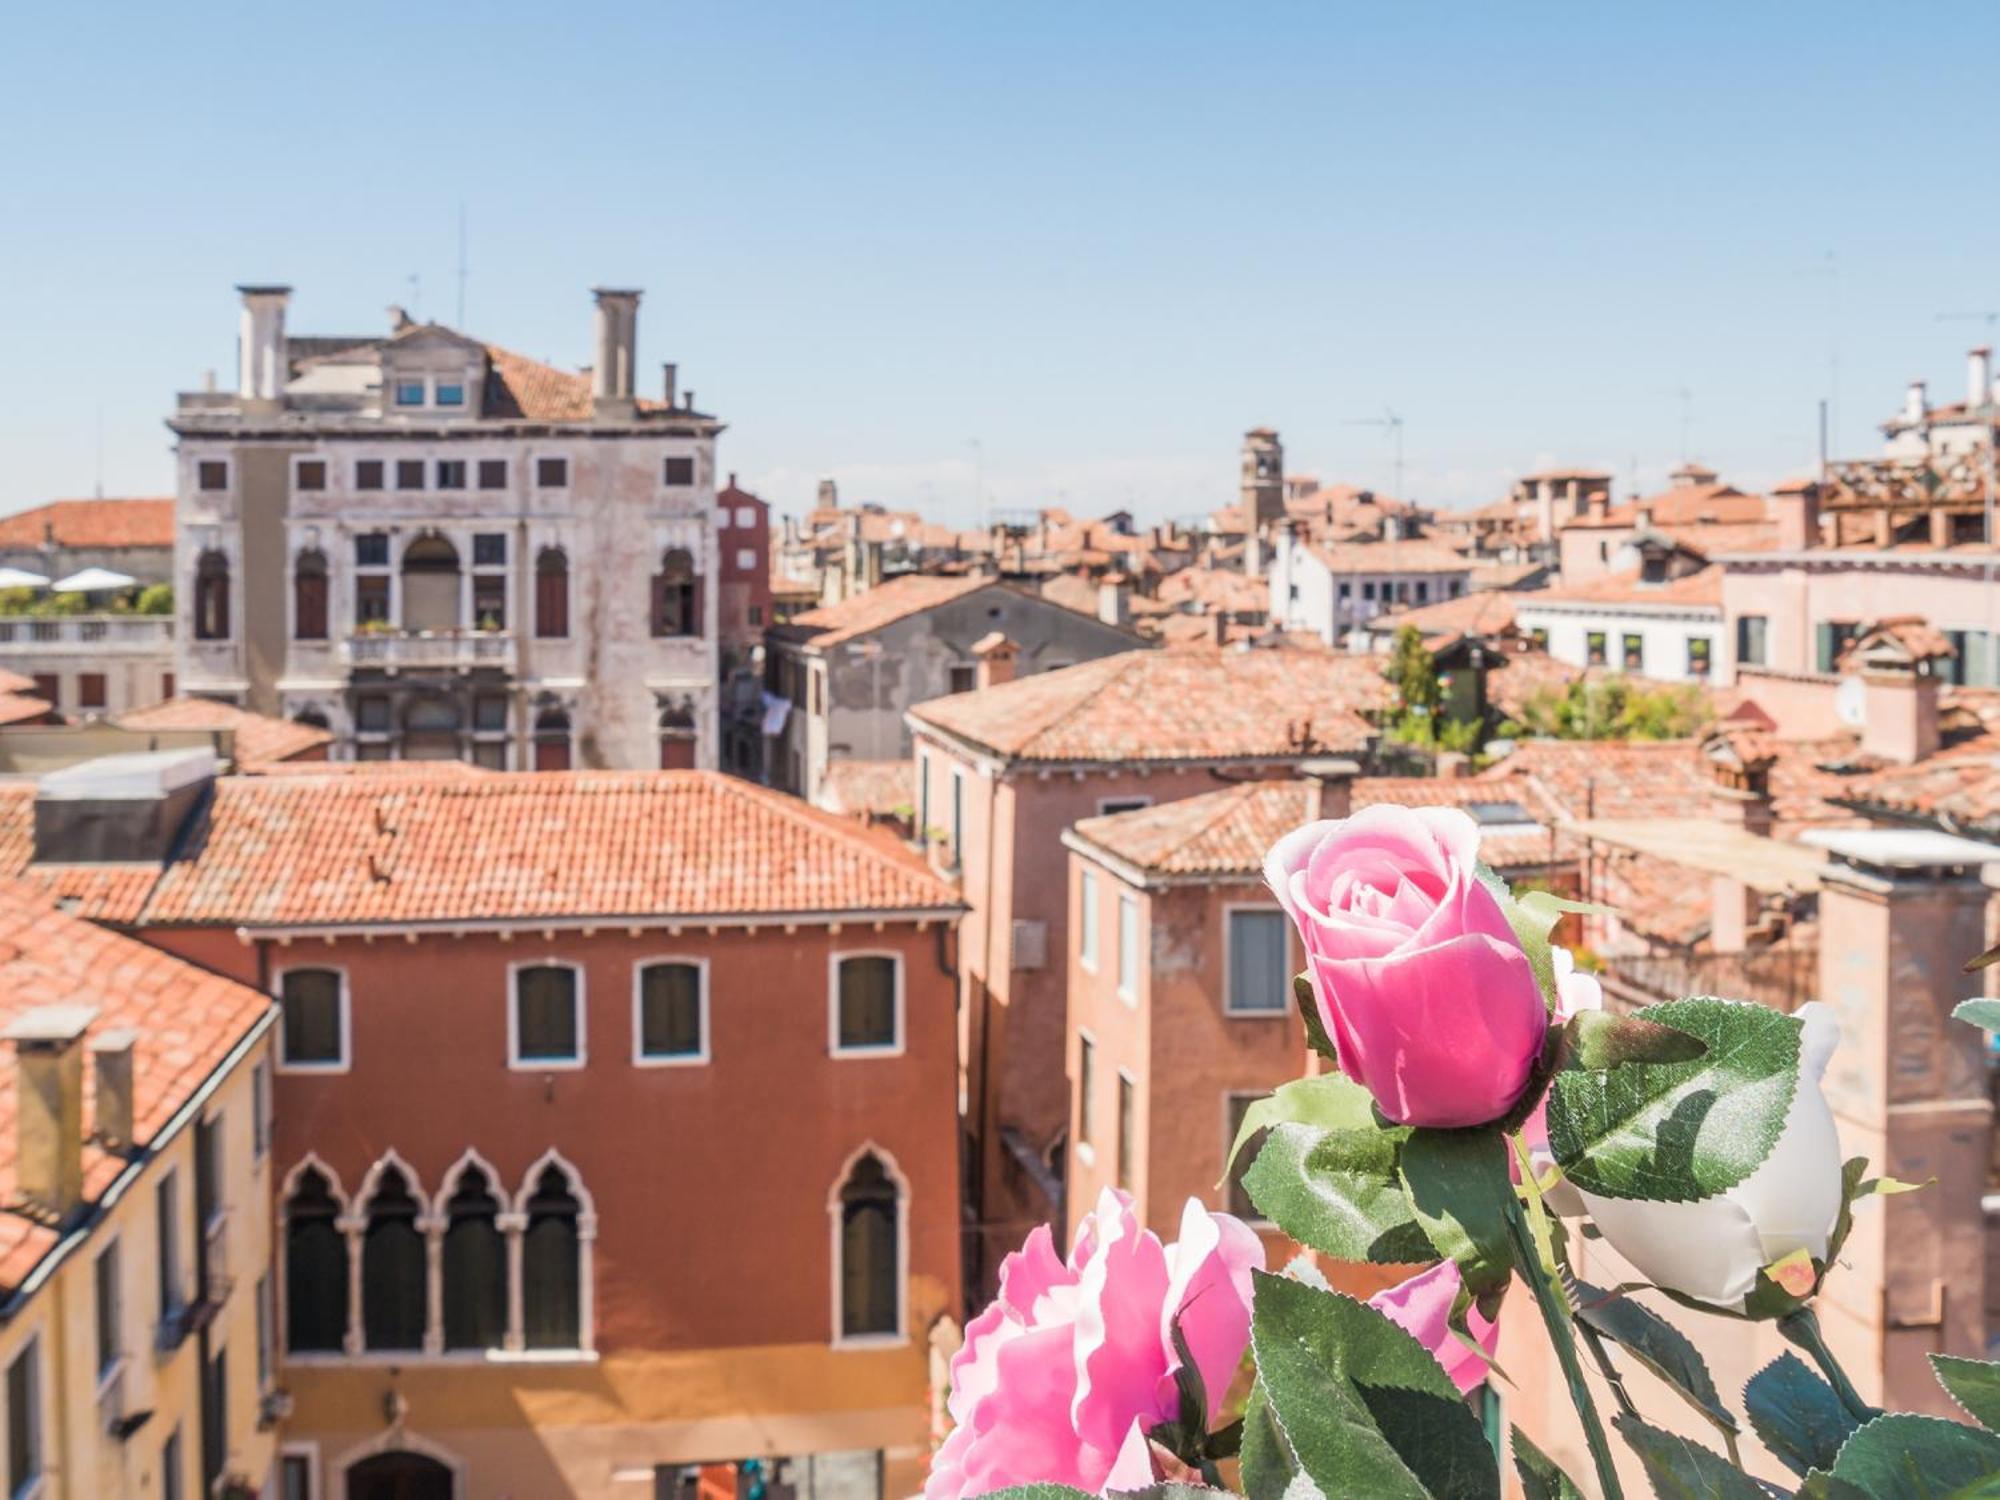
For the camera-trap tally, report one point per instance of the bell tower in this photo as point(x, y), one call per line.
point(1263, 485)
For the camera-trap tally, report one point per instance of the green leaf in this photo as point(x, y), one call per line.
point(1458, 1185)
point(1541, 1478)
point(1796, 1415)
point(1905, 1457)
point(1337, 1191)
point(1330, 1100)
point(1681, 1470)
point(1308, 1004)
point(1268, 1467)
point(1974, 1384)
point(1174, 1490)
point(1851, 1172)
point(1674, 1132)
point(1365, 1408)
point(1656, 1344)
point(1599, 1039)
point(1039, 1492)
point(1982, 1013)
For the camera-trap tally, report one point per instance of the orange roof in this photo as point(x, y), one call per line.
point(885, 788)
point(882, 605)
point(517, 386)
point(1389, 557)
point(105, 893)
point(1701, 587)
point(1192, 704)
point(1608, 778)
point(312, 851)
point(1227, 833)
point(1482, 612)
point(259, 738)
point(1685, 505)
point(189, 1020)
point(92, 523)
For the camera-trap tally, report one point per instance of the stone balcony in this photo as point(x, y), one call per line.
point(394, 651)
point(87, 635)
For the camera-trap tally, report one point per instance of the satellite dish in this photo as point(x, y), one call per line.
point(1850, 702)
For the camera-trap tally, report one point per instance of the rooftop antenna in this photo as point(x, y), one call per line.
point(416, 296)
point(460, 325)
point(1393, 424)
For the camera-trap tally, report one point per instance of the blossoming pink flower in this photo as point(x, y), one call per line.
point(1421, 1306)
point(1430, 1001)
point(1061, 1378)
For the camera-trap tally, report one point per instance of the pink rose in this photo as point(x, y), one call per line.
point(1431, 1003)
point(1421, 1307)
point(1061, 1378)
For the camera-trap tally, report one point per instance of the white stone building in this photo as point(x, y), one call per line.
point(1331, 588)
point(1659, 616)
point(443, 550)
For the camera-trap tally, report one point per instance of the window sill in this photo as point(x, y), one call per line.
point(545, 1064)
point(313, 1067)
point(672, 1060)
point(462, 1358)
point(1232, 1013)
point(893, 1050)
point(866, 1341)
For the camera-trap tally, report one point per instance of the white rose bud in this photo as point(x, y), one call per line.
point(1713, 1248)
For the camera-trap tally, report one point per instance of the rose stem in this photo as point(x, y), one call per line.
point(1555, 1314)
point(1616, 1381)
point(1802, 1328)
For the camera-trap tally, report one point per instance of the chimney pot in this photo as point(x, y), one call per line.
point(1330, 781)
point(1114, 601)
point(671, 382)
point(995, 655)
point(49, 1104)
point(111, 1054)
point(1916, 402)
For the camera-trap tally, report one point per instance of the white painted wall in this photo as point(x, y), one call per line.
point(1664, 637)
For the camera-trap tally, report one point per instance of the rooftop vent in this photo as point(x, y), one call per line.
point(119, 809)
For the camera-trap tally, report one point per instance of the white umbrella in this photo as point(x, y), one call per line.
point(93, 580)
point(21, 578)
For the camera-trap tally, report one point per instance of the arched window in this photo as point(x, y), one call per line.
point(309, 596)
point(312, 718)
point(315, 1267)
point(552, 1265)
point(394, 1278)
point(475, 1265)
point(552, 739)
point(211, 597)
point(677, 595)
point(870, 1237)
point(551, 594)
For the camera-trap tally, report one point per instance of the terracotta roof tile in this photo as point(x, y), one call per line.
point(878, 788)
point(259, 738)
point(188, 1021)
point(106, 893)
point(882, 605)
point(1701, 587)
point(1389, 557)
point(1192, 704)
point(1484, 612)
point(92, 523)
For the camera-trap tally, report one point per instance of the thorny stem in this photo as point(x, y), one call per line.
point(1595, 1343)
point(1802, 1328)
point(1556, 1316)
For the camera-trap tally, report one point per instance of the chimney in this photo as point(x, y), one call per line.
point(1644, 511)
point(1979, 377)
point(1916, 402)
point(111, 1060)
point(670, 383)
point(1452, 765)
point(1329, 787)
point(1739, 788)
point(828, 497)
point(1114, 600)
point(617, 345)
point(49, 1087)
point(120, 809)
point(995, 655)
point(1598, 505)
point(260, 345)
point(1899, 703)
point(1253, 552)
point(1798, 516)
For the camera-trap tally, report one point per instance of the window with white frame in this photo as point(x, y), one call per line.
point(173, 1465)
point(867, 1003)
point(1086, 919)
point(1128, 946)
point(474, 1264)
point(545, 1017)
point(1259, 947)
point(297, 1476)
point(410, 392)
point(923, 799)
point(868, 1238)
point(108, 1277)
point(312, 1019)
point(552, 1264)
point(746, 515)
point(393, 1280)
point(1128, 1129)
point(957, 816)
point(670, 1021)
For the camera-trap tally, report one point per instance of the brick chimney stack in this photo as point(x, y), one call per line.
point(49, 1087)
point(1797, 506)
point(996, 656)
point(1897, 660)
point(1330, 783)
point(1979, 377)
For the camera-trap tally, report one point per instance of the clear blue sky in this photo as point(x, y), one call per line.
point(1102, 239)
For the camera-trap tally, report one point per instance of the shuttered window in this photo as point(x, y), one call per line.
point(1257, 961)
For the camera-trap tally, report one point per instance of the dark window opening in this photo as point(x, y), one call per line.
point(869, 1253)
point(475, 1266)
point(552, 1266)
point(309, 596)
point(309, 1013)
point(670, 1010)
point(394, 1279)
point(677, 595)
point(545, 1018)
point(551, 594)
point(867, 1001)
point(211, 597)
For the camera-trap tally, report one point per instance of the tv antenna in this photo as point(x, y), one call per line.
point(1392, 423)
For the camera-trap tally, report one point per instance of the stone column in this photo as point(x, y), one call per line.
point(514, 1226)
point(354, 1227)
point(1900, 912)
point(432, 1227)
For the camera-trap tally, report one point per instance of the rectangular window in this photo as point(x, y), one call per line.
point(1086, 1088)
point(368, 474)
point(489, 601)
point(489, 549)
point(1594, 648)
point(1238, 1105)
point(1259, 953)
point(489, 713)
point(1128, 946)
point(490, 755)
point(865, 1003)
point(548, 1026)
point(371, 603)
point(670, 1012)
point(110, 1305)
point(1634, 647)
point(295, 1477)
point(371, 549)
point(1423, 591)
point(312, 1018)
point(1127, 1144)
point(409, 393)
point(409, 473)
point(923, 800)
point(48, 688)
point(167, 1216)
point(963, 679)
point(451, 474)
point(1346, 592)
point(552, 473)
point(1750, 639)
point(207, 1173)
point(493, 473)
point(24, 1419)
point(1833, 637)
point(90, 689)
point(1538, 638)
point(450, 393)
point(1086, 919)
point(679, 472)
point(1367, 591)
point(260, 1109)
point(312, 474)
point(371, 715)
point(1107, 806)
point(756, 614)
point(214, 1420)
point(746, 516)
point(1700, 649)
point(212, 474)
point(746, 560)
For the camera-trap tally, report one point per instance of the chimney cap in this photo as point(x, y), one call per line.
point(994, 643)
point(609, 293)
point(136, 775)
point(117, 1039)
point(262, 289)
point(50, 1025)
point(1329, 768)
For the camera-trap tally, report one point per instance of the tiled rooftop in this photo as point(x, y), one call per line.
point(1484, 612)
point(92, 523)
point(259, 738)
point(1416, 556)
point(1701, 587)
point(881, 788)
point(1959, 793)
point(188, 1021)
point(882, 605)
point(1193, 704)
